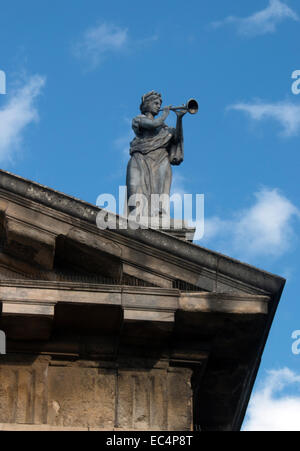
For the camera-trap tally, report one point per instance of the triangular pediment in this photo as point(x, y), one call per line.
point(55, 233)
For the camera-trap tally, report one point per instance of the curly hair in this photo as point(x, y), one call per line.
point(147, 98)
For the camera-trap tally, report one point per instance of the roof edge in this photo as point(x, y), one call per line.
point(85, 211)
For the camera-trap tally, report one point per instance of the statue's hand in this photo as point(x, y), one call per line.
point(180, 113)
point(176, 162)
point(166, 111)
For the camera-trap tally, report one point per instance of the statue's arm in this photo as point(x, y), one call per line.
point(151, 124)
point(179, 129)
point(177, 150)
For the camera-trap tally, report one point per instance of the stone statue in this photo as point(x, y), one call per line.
point(154, 149)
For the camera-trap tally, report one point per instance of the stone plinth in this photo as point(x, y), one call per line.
point(175, 227)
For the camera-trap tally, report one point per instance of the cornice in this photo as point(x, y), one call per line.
point(214, 266)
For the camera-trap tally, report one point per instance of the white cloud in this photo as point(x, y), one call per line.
point(286, 113)
point(123, 144)
point(97, 42)
point(178, 184)
point(264, 229)
point(18, 112)
point(268, 411)
point(261, 22)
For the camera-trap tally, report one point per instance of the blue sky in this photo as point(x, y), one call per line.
point(75, 74)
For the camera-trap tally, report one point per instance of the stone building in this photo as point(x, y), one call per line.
point(121, 330)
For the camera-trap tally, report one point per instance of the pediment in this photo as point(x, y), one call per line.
point(42, 245)
point(55, 233)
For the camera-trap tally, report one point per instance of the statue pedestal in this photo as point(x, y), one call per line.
point(175, 227)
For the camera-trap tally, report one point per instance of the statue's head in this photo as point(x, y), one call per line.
point(151, 103)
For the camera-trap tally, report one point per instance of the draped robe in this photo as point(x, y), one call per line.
point(152, 153)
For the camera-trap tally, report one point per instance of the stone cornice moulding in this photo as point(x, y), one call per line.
point(85, 211)
point(219, 269)
point(146, 299)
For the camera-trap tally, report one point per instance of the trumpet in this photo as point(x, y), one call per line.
point(191, 106)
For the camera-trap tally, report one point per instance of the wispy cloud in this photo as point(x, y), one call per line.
point(179, 183)
point(99, 42)
point(122, 144)
point(286, 113)
point(17, 113)
point(264, 229)
point(270, 411)
point(261, 22)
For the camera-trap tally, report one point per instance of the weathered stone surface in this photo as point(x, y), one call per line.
point(30, 244)
point(144, 274)
point(80, 254)
point(224, 303)
point(87, 352)
point(148, 315)
point(82, 397)
point(77, 396)
point(179, 387)
point(145, 400)
point(23, 393)
point(13, 308)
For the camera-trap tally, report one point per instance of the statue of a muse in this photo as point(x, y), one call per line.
point(155, 148)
